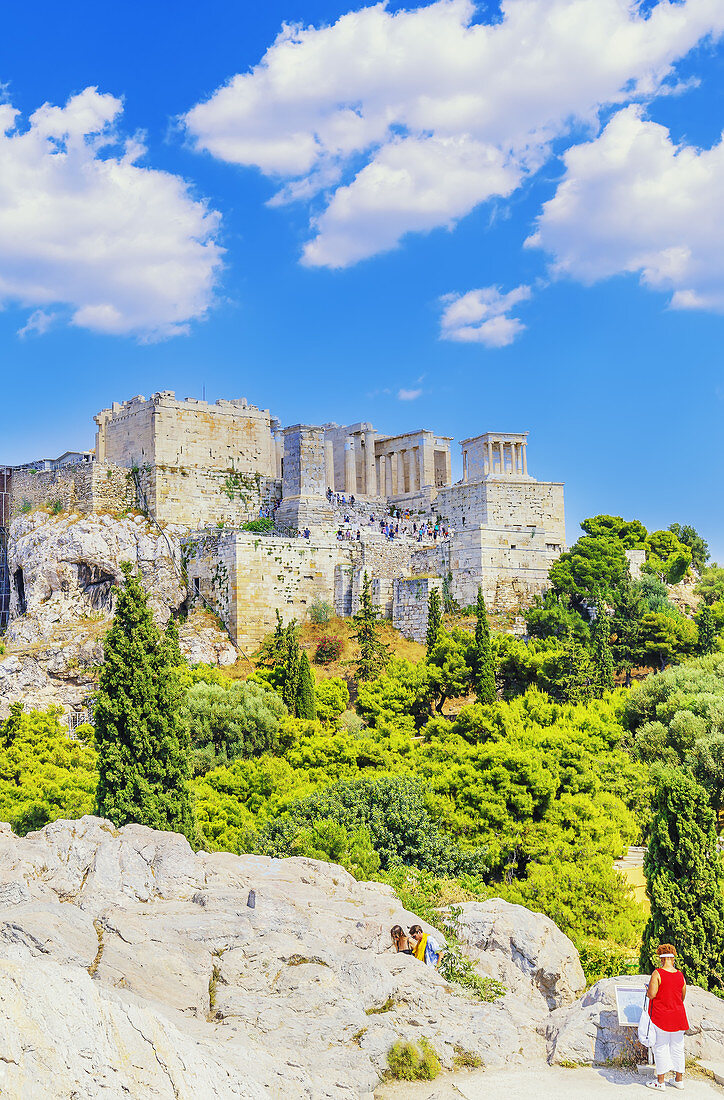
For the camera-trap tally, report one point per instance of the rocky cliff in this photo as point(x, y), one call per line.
point(63, 569)
point(132, 966)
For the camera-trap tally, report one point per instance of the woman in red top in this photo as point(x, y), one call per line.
point(667, 990)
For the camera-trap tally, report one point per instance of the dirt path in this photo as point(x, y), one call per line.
point(543, 1083)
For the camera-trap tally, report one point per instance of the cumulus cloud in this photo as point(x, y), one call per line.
point(125, 249)
point(633, 201)
point(482, 316)
point(392, 122)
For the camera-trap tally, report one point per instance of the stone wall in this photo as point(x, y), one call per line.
point(85, 487)
point(510, 566)
point(245, 577)
point(507, 502)
point(410, 596)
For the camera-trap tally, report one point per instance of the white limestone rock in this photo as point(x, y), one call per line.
point(589, 1032)
point(526, 951)
point(195, 993)
point(69, 564)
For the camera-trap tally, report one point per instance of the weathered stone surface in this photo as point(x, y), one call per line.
point(68, 565)
point(588, 1031)
point(524, 950)
point(194, 993)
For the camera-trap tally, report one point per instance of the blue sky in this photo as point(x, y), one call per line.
point(424, 146)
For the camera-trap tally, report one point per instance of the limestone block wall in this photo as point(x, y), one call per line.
point(83, 487)
point(507, 502)
point(245, 577)
point(229, 435)
point(410, 596)
point(636, 559)
point(198, 497)
point(511, 566)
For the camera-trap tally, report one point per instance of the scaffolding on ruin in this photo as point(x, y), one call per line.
point(5, 474)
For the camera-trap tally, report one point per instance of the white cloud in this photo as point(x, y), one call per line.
point(125, 249)
point(37, 323)
point(632, 201)
point(481, 316)
point(404, 121)
point(408, 395)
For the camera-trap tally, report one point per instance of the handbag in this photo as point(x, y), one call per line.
point(647, 1034)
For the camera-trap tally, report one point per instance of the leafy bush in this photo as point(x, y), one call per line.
point(407, 1062)
point(329, 648)
point(259, 525)
point(332, 697)
point(320, 612)
point(227, 721)
point(56, 507)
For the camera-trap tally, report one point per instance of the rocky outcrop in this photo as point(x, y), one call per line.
point(526, 951)
point(588, 1031)
point(63, 568)
point(131, 966)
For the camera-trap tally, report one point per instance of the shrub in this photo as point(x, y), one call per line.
point(320, 612)
point(226, 722)
point(26, 506)
point(258, 525)
point(407, 1062)
point(56, 507)
point(332, 697)
point(328, 649)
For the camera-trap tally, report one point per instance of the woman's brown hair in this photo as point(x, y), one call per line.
point(396, 931)
point(666, 949)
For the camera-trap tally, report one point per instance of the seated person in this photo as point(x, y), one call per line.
point(400, 940)
point(426, 948)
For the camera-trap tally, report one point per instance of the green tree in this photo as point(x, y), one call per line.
point(707, 630)
point(601, 649)
point(332, 698)
point(434, 619)
point(373, 651)
point(450, 664)
point(591, 563)
point(689, 536)
point(484, 667)
point(685, 882)
point(551, 616)
point(306, 707)
point(666, 557)
point(143, 751)
point(664, 638)
point(630, 532)
point(711, 584)
point(290, 665)
point(228, 720)
point(628, 609)
point(706, 763)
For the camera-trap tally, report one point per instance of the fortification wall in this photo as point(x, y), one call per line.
point(84, 487)
point(410, 597)
point(507, 502)
point(511, 567)
point(245, 577)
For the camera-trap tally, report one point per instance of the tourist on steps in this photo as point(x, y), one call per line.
point(667, 990)
point(400, 940)
point(426, 948)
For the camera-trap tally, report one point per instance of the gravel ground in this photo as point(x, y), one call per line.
point(544, 1083)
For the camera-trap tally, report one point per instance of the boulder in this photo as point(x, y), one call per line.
point(589, 1032)
point(132, 965)
point(526, 951)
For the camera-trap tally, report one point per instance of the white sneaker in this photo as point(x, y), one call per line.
point(677, 1084)
point(655, 1085)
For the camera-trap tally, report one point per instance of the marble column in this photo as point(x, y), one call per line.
point(350, 468)
point(400, 473)
point(524, 449)
point(370, 473)
point(389, 481)
point(514, 459)
point(501, 456)
point(465, 465)
point(489, 447)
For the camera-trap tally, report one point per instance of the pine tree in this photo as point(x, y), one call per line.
point(484, 664)
point(434, 619)
point(373, 651)
point(143, 756)
point(685, 881)
point(306, 705)
point(290, 663)
point(707, 630)
point(601, 649)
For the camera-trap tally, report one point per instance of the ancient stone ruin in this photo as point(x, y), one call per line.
point(329, 494)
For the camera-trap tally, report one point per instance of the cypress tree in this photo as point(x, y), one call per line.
point(143, 755)
point(484, 664)
point(291, 658)
point(434, 619)
point(685, 882)
point(306, 704)
point(373, 651)
point(601, 649)
point(707, 630)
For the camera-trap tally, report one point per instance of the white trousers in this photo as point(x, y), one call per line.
point(669, 1051)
